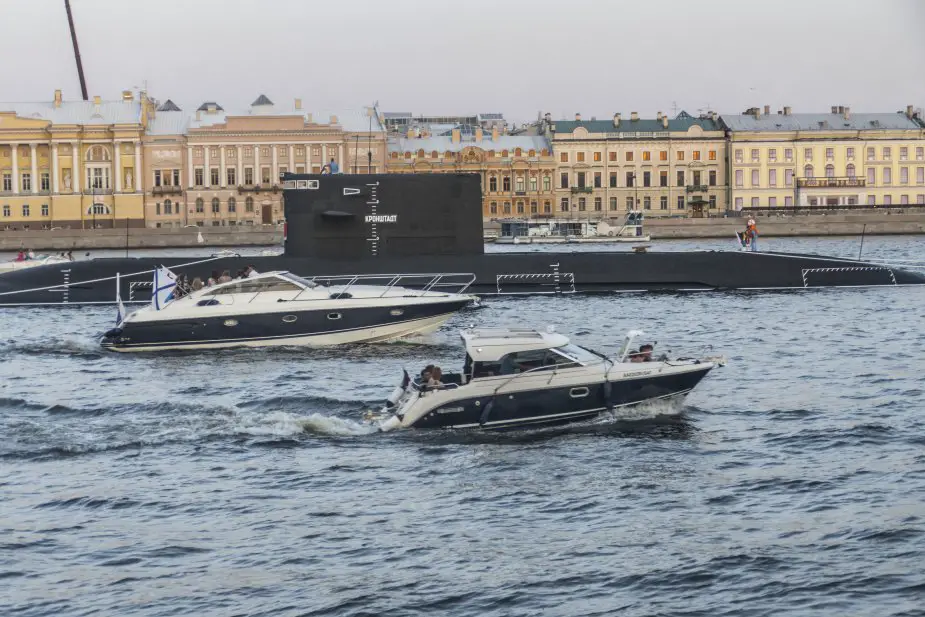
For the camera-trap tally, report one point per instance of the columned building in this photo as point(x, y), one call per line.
point(72, 163)
point(516, 171)
point(663, 166)
point(841, 158)
point(213, 167)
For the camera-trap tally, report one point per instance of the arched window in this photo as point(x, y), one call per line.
point(249, 204)
point(421, 153)
point(518, 152)
point(168, 207)
point(407, 155)
point(851, 170)
point(200, 205)
point(98, 208)
point(504, 153)
point(395, 155)
point(532, 153)
point(507, 207)
point(98, 154)
point(216, 205)
point(830, 171)
point(808, 171)
point(232, 205)
point(433, 154)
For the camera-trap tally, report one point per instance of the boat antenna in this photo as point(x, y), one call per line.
point(80, 66)
point(369, 140)
point(861, 250)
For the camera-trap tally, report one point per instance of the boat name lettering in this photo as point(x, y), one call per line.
point(381, 218)
point(636, 373)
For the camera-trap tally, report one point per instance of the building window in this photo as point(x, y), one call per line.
point(248, 176)
point(887, 153)
point(646, 203)
point(598, 204)
point(580, 157)
point(26, 182)
point(629, 156)
point(547, 207)
point(25, 209)
point(613, 203)
point(597, 179)
point(740, 178)
point(613, 179)
point(808, 154)
point(663, 178)
point(630, 205)
point(563, 157)
point(6, 210)
point(738, 203)
point(850, 170)
point(546, 182)
point(157, 177)
point(597, 157)
point(830, 154)
point(754, 202)
point(696, 154)
point(581, 179)
point(232, 205)
point(904, 175)
point(871, 200)
point(533, 183)
point(200, 205)
point(493, 207)
point(214, 176)
point(755, 155)
point(904, 200)
point(45, 210)
point(788, 202)
point(871, 176)
point(680, 177)
point(507, 207)
point(712, 202)
point(680, 155)
point(216, 205)
point(45, 182)
point(920, 175)
point(581, 204)
point(176, 177)
point(663, 155)
point(772, 202)
point(492, 184)
point(7, 183)
point(738, 155)
point(630, 179)
point(887, 175)
point(533, 207)
point(772, 177)
point(199, 176)
point(871, 154)
point(646, 155)
point(519, 182)
point(680, 202)
point(808, 171)
point(231, 175)
point(772, 154)
point(788, 177)
point(887, 200)
point(712, 177)
point(849, 153)
point(788, 154)
point(506, 184)
point(563, 180)
point(830, 171)
point(249, 205)
point(697, 178)
point(520, 207)
point(168, 207)
point(265, 175)
point(612, 157)
point(663, 202)
point(920, 199)
point(647, 178)
point(157, 208)
point(563, 205)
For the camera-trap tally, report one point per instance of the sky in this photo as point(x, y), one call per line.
point(518, 57)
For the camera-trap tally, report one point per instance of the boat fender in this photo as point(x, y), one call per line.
point(113, 333)
point(486, 412)
point(608, 402)
point(392, 400)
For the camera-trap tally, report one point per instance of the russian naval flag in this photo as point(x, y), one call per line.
point(165, 282)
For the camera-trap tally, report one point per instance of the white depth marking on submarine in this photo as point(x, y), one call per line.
point(555, 277)
point(806, 271)
point(372, 217)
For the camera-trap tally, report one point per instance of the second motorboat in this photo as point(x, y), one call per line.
point(280, 308)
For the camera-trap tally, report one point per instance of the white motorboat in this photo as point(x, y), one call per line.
point(520, 377)
point(39, 260)
point(279, 308)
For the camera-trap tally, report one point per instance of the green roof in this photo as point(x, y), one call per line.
point(650, 125)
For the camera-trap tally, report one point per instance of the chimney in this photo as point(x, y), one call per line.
point(456, 136)
point(659, 116)
point(333, 119)
point(713, 116)
point(298, 103)
point(767, 110)
point(577, 117)
point(198, 115)
point(757, 112)
point(834, 109)
point(57, 98)
point(847, 113)
point(127, 96)
point(665, 122)
point(616, 119)
point(494, 134)
point(634, 116)
point(787, 110)
point(841, 109)
point(909, 112)
point(478, 135)
point(97, 100)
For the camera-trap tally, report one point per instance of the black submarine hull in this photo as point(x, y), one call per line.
point(432, 223)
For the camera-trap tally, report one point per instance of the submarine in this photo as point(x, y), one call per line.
point(345, 225)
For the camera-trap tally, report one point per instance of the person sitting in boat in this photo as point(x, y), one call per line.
point(197, 284)
point(70, 256)
point(20, 256)
point(213, 280)
point(30, 255)
point(225, 277)
point(435, 376)
point(643, 355)
point(250, 272)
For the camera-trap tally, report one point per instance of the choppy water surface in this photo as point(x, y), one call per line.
point(243, 483)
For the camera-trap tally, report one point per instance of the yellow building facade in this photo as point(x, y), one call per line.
point(836, 159)
point(516, 170)
point(72, 163)
point(662, 166)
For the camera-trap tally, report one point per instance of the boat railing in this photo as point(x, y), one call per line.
point(445, 282)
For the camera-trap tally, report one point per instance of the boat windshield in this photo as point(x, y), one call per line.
point(298, 280)
point(578, 354)
point(274, 283)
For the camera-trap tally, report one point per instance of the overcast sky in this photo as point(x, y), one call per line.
point(463, 56)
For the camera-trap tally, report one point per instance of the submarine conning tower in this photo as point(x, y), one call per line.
point(347, 216)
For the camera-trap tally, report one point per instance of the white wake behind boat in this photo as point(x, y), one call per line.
point(525, 378)
point(280, 308)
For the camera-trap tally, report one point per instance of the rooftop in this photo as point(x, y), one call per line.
point(643, 125)
point(820, 122)
point(445, 143)
point(79, 112)
point(491, 344)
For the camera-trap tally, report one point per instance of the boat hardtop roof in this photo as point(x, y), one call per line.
point(491, 344)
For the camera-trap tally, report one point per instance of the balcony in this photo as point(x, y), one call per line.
point(696, 188)
point(258, 188)
point(93, 191)
point(831, 183)
point(520, 193)
point(167, 190)
point(582, 189)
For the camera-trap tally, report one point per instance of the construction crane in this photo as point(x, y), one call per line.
point(80, 67)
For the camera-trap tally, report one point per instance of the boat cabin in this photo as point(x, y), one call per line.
point(509, 351)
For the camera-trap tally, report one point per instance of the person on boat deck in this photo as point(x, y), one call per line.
point(426, 373)
point(435, 375)
point(325, 170)
point(20, 256)
point(751, 235)
point(334, 167)
point(70, 256)
point(197, 284)
point(30, 255)
point(250, 272)
point(213, 280)
point(643, 355)
point(225, 277)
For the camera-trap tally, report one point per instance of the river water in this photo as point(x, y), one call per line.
point(243, 482)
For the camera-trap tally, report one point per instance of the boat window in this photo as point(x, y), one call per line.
point(256, 286)
point(577, 354)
